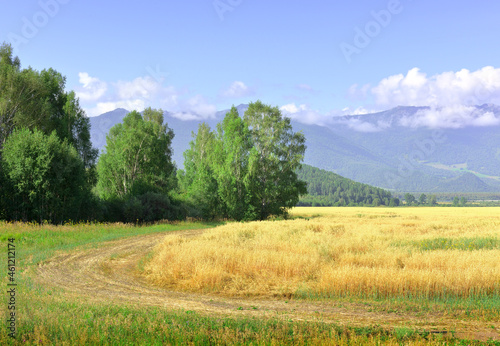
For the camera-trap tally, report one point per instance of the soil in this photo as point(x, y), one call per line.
point(109, 273)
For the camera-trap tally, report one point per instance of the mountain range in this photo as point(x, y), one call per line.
point(392, 149)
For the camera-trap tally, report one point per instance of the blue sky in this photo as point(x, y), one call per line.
point(312, 58)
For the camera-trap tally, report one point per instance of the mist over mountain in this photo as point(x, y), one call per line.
point(418, 149)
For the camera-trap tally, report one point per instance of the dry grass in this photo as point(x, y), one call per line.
point(341, 252)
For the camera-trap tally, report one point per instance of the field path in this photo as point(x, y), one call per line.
point(109, 273)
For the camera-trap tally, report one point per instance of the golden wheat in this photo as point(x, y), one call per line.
point(341, 252)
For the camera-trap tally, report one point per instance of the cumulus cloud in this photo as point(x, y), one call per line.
point(449, 96)
point(457, 116)
point(446, 89)
point(357, 111)
point(141, 87)
point(450, 99)
point(292, 108)
point(104, 107)
point(92, 88)
point(237, 89)
point(140, 93)
point(304, 114)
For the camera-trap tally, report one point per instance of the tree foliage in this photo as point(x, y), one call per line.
point(326, 188)
point(35, 107)
point(137, 158)
point(198, 180)
point(32, 99)
point(44, 177)
point(410, 199)
point(232, 147)
point(246, 169)
point(422, 199)
point(276, 154)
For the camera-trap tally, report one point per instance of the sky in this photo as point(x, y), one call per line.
point(313, 59)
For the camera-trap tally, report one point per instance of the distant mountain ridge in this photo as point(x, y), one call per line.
point(388, 155)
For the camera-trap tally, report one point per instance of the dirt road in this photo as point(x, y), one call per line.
point(110, 273)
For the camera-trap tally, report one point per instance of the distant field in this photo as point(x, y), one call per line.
point(342, 252)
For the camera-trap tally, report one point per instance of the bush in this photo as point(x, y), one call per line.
point(148, 207)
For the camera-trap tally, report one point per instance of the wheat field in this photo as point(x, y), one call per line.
point(357, 252)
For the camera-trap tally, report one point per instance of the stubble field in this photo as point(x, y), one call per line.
point(434, 253)
point(328, 276)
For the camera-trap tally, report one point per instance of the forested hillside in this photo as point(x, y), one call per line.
point(325, 188)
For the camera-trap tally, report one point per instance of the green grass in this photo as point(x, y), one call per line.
point(38, 243)
point(77, 323)
point(458, 244)
point(45, 316)
point(484, 308)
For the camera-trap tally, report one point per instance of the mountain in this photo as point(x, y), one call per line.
point(466, 182)
point(385, 149)
point(100, 126)
point(417, 158)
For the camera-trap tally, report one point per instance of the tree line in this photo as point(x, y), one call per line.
point(431, 200)
point(245, 169)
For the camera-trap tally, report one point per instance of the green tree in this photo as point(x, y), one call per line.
point(409, 198)
point(422, 199)
point(247, 169)
point(45, 177)
point(198, 180)
point(463, 201)
point(275, 156)
point(32, 99)
point(74, 126)
point(455, 201)
point(137, 158)
point(433, 200)
point(231, 152)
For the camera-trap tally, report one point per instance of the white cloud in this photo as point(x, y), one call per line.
point(361, 126)
point(304, 114)
point(140, 93)
point(358, 111)
point(292, 108)
point(195, 108)
point(92, 88)
point(141, 87)
point(446, 89)
point(236, 90)
point(457, 116)
point(486, 119)
point(104, 107)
